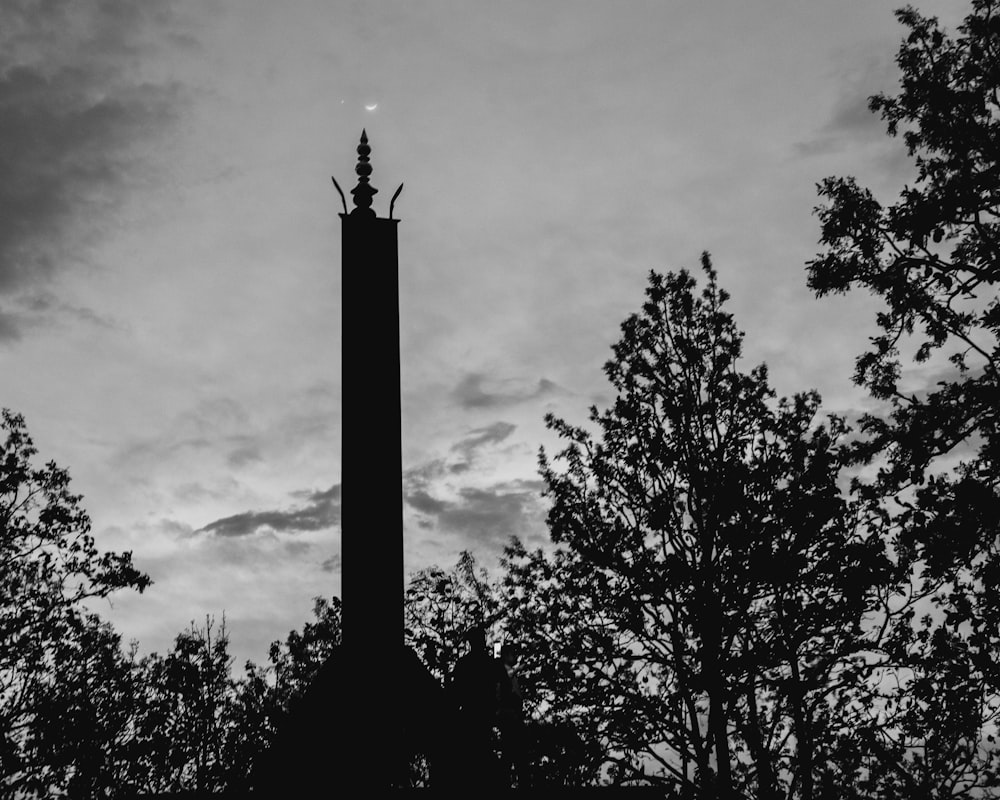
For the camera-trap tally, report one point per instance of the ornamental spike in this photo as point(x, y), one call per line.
point(363, 192)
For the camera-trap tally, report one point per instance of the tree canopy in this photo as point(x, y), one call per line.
point(50, 565)
point(931, 257)
point(708, 595)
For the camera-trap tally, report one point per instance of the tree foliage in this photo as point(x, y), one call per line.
point(443, 605)
point(933, 258)
point(296, 661)
point(707, 599)
point(82, 738)
point(49, 566)
point(184, 724)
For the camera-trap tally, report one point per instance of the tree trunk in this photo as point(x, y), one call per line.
point(718, 730)
point(767, 788)
point(718, 727)
point(803, 730)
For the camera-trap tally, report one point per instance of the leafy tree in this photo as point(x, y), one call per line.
point(273, 700)
point(82, 730)
point(251, 718)
point(193, 726)
point(933, 258)
point(934, 255)
point(441, 606)
point(185, 718)
point(702, 617)
point(297, 661)
point(49, 565)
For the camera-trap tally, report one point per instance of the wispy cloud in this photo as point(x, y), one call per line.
point(73, 115)
point(243, 454)
point(468, 450)
point(464, 502)
point(10, 326)
point(421, 501)
point(331, 564)
point(321, 510)
point(484, 516)
point(221, 424)
point(850, 121)
point(477, 390)
point(482, 437)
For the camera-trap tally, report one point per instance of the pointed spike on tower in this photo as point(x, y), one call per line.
point(364, 191)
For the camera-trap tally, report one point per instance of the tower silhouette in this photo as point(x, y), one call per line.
point(373, 704)
point(371, 460)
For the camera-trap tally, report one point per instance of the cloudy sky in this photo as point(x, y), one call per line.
point(170, 249)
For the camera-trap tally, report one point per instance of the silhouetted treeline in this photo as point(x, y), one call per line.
point(743, 596)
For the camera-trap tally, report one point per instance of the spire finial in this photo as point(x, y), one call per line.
point(363, 192)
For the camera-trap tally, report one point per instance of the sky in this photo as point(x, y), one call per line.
point(170, 307)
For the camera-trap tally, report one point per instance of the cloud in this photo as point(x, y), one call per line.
point(445, 499)
point(468, 449)
point(222, 424)
point(332, 564)
point(210, 415)
point(481, 437)
point(45, 303)
point(244, 454)
point(423, 502)
point(476, 390)
point(73, 115)
point(10, 329)
point(320, 511)
point(850, 121)
point(216, 488)
point(484, 516)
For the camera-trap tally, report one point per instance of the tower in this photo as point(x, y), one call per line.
point(373, 704)
point(371, 475)
point(371, 460)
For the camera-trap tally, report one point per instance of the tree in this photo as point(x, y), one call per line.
point(288, 700)
point(442, 606)
point(81, 734)
point(297, 661)
point(933, 258)
point(252, 716)
point(49, 566)
point(185, 717)
point(201, 729)
point(705, 605)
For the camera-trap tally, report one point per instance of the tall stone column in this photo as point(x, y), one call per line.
point(371, 460)
point(372, 500)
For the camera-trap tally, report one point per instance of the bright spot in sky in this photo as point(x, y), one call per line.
point(372, 107)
